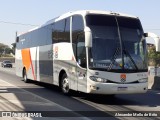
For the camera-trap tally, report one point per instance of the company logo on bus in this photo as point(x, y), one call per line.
point(123, 78)
point(56, 52)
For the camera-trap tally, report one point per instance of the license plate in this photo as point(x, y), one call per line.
point(122, 88)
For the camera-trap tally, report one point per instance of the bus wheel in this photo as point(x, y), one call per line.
point(65, 84)
point(25, 76)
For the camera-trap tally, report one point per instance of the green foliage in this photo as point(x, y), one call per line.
point(153, 56)
point(5, 50)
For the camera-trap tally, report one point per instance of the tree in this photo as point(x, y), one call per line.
point(153, 56)
point(5, 49)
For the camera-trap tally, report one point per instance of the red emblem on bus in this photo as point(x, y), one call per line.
point(123, 78)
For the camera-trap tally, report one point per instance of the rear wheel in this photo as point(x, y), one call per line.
point(65, 84)
point(25, 76)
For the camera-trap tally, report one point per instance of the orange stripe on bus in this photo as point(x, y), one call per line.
point(32, 68)
point(27, 60)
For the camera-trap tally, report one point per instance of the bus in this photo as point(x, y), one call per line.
point(91, 51)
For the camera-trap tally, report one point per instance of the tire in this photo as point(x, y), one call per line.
point(65, 84)
point(25, 76)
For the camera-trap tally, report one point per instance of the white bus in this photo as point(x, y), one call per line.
point(90, 51)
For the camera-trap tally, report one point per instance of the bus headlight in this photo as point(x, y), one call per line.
point(97, 79)
point(143, 80)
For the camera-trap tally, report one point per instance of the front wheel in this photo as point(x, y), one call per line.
point(65, 84)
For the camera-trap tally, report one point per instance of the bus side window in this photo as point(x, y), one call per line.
point(81, 51)
point(67, 30)
point(61, 31)
point(54, 34)
point(77, 29)
point(58, 31)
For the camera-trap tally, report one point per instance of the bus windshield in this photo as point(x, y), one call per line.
point(117, 44)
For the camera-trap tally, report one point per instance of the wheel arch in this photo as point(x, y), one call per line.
point(60, 76)
point(24, 68)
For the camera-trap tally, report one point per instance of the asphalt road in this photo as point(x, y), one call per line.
point(15, 95)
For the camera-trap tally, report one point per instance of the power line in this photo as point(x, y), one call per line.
point(17, 23)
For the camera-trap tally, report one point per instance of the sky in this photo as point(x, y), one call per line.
point(29, 13)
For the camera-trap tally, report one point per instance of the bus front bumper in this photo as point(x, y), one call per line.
point(112, 88)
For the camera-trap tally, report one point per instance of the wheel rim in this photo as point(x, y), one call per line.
point(65, 85)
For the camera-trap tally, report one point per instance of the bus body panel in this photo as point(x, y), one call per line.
point(45, 64)
point(35, 60)
point(64, 59)
point(24, 60)
point(18, 63)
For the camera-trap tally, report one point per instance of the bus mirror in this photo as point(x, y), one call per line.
point(88, 37)
point(145, 34)
point(156, 39)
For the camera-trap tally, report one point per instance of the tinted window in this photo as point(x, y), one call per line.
point(67, 30)
point(129, 23)
point(77, 29)
point(48, 34)
point(117, 43)
point(77, 23)
point(61, 31)
point(59, 28)
point(54, 34)
point(67, 26)
point(38, 37)
point(81, 50)
point(100, 20)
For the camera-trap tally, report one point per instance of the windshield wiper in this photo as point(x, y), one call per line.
point(127, 54)
point(113, 60)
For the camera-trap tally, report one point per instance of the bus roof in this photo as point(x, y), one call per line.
point(83, 13)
